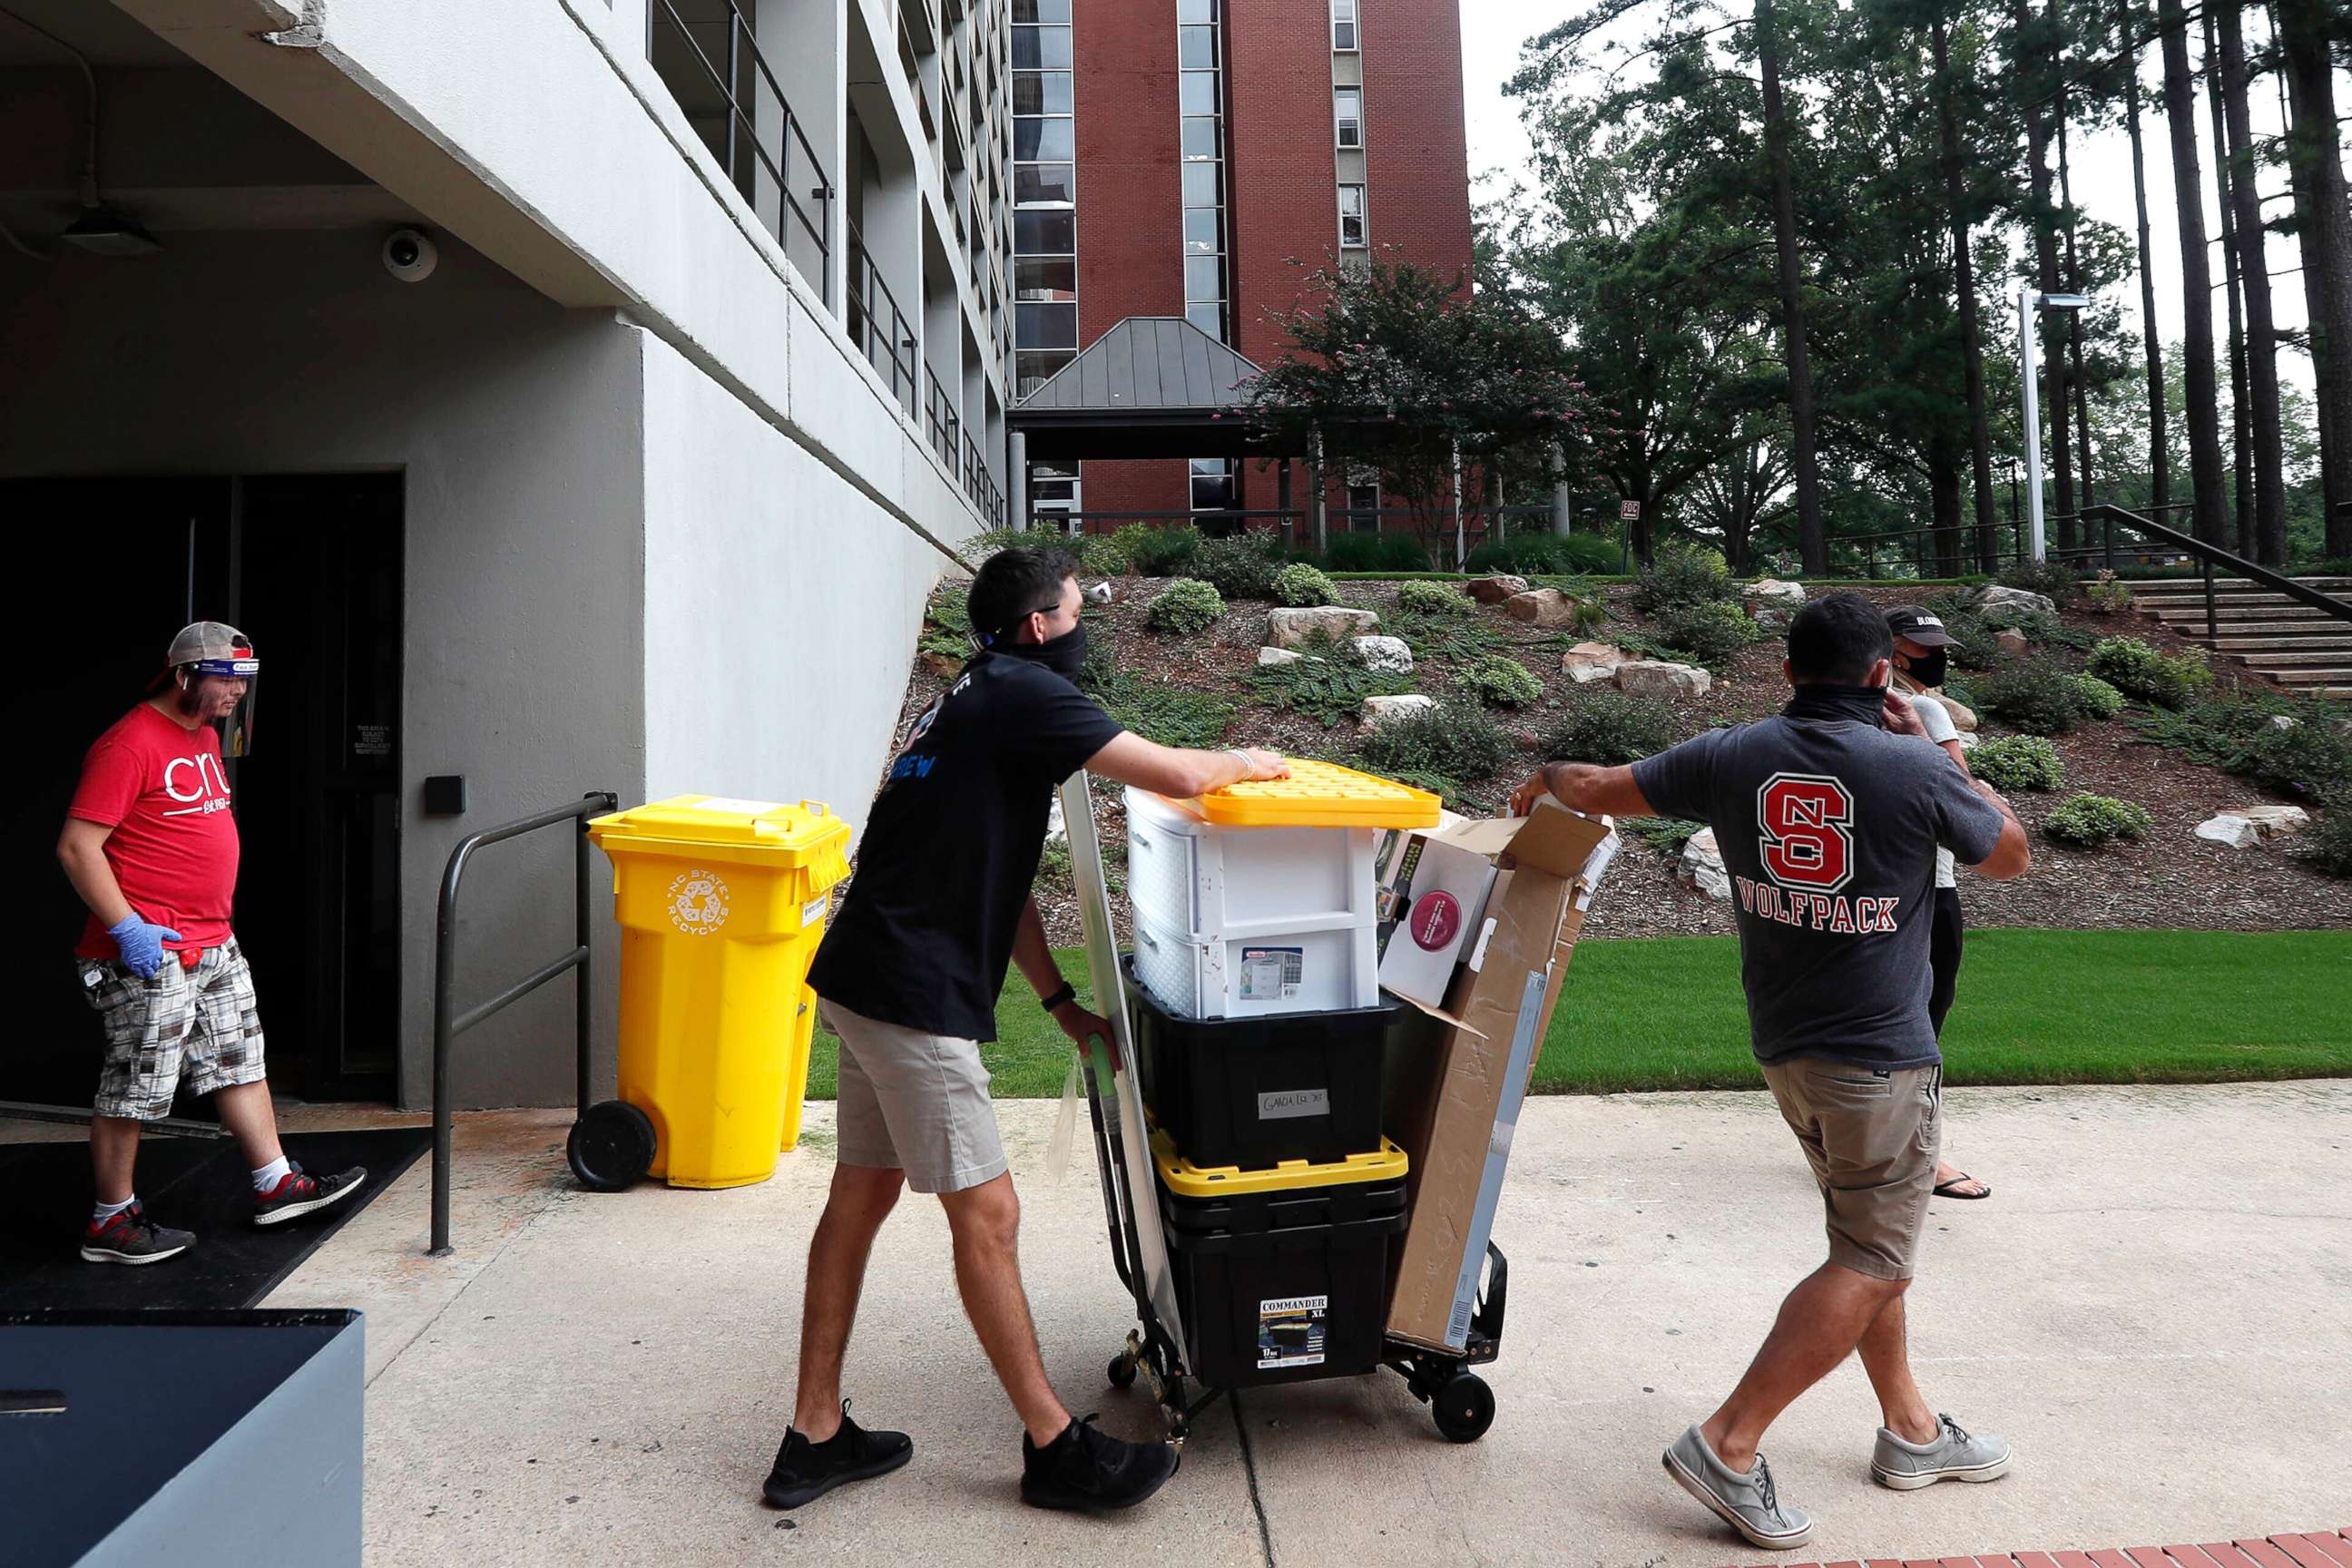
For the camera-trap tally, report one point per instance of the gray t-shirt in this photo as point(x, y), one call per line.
point(1829, 828)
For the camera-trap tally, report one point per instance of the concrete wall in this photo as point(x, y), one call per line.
point(519, 428)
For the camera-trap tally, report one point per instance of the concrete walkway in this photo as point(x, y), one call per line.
point(2154, 1304)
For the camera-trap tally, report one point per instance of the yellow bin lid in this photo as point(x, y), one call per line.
point(1317, 795)
point(794, 835)
point(1181, 1176)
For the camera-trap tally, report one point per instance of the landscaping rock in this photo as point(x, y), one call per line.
point(2011, 641)
point(947, 667)
point(1545, 608)
point(1380, 711)
point(1702, 867)
point(2234, 831)
point(1589, 661)
point(2283, 721)
point(1770, 622)
point(1662, 677)
point(2273, 821)
point(1964, 718)
point(1273, 657)
point(1772, 591)
point(1389, 655)
point(1996, 597)
point(1495, 590)
point(1102, 593)
point(1291, 628)
point(1057, 828)
point(1968, 743)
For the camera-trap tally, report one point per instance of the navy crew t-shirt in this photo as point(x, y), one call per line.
point(925, 934)
point(1828, 829)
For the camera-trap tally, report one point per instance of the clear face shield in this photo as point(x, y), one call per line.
point(236, 722)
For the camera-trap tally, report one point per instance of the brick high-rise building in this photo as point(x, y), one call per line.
point(1202, 158)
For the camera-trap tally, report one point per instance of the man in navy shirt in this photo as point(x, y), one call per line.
point(908, 975)
point(1828, 818)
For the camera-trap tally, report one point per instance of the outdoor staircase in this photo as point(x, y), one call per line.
point(2303, 649)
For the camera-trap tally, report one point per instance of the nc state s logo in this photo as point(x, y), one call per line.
point(1804, 824)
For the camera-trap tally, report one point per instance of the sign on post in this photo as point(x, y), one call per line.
point(1629, 511)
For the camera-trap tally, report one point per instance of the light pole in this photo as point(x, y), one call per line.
point(2026, 300)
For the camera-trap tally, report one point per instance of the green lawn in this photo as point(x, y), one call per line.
point(2035, 1007)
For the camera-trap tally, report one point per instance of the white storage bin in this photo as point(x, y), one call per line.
point(1197, 881)
point(1252, 976)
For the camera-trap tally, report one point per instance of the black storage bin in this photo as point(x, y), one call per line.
point(1283, 1285)
point(1256, 1092)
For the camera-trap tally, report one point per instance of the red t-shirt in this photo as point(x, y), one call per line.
point(174, 850)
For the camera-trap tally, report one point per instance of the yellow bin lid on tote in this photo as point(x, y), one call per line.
point(1386, 1163)
point(1317, 795)
point(806, 837)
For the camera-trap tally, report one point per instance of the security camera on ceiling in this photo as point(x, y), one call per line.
point(410, 255)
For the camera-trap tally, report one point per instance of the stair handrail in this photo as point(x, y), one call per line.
point(2212, 555)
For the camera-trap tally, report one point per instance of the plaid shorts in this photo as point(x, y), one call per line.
point(200, 1022)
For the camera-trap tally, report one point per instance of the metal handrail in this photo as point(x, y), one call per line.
point(739, 34)
point(448, 1023)
point(866, 287)
point(2211, 555)
point(940, 421)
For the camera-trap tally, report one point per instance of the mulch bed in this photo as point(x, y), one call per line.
point(2173, 879)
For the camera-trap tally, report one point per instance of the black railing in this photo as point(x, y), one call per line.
point(448, 1023)
point(731, 128)
point(876, 325)
point(2208, 557)
point(979, 484)
point(941, 422)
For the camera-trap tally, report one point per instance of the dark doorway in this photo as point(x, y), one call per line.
point(310, 567)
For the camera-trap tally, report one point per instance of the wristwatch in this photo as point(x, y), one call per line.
point(1068, 993)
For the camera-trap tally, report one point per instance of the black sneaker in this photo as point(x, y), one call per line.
point(298, 1194)
point(131, 1237)
point(805, 1471)
point(1088, 1469)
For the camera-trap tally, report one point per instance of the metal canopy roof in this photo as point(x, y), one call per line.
point(1151, 387)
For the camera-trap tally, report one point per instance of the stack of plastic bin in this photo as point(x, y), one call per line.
point(1260, 1030)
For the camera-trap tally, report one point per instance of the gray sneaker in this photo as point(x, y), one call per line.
point(1748, 1503)
point(1956, 1454)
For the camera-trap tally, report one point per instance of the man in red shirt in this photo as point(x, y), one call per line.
point(151, 845)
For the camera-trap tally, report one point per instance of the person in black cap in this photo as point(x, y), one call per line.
point(1920, 641)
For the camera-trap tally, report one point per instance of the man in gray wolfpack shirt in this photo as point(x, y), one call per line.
point(1829, 817)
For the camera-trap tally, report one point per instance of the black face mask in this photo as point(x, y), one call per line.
point(1854, 704)
point(1064, 655)
point(1928, 669)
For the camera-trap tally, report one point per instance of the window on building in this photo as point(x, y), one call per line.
point(1046, 182)
point(1041, 279)
point(1204, 232)
point(1194, 13)
point(1045, 326)
point(1351, 216)
point(1041, 92)
point(1047, 137)
point(1197, 91)
point(1363, 501)
point(1200, 182)
point(1201, 137)
point(1343, 25)
point(1041, 49)
point(1215, 484)
point(1042, 11)
point(1348, 109)
point(1197, 49)
point(1045, 194)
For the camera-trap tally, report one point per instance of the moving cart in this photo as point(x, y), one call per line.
point(1224, 1252)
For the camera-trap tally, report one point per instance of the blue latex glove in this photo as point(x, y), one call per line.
point(141, 944)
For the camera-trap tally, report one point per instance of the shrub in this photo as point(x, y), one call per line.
point(2018, 762)
point(1098, 555)
point(1430, 598)
point(1374, 553)
point(2327, 844)
point(947, 628)
point(1683, 576)
point(2034, 696)
point(2311, 759)
point(1712, 631)
point(1447, 638)
point(1451, 745)
point(2089, 821)
point(2100, 701)
point(1548, 554)
point(1170, 715)
point(2053, 580)
point(2139, 670)
point(1666, 835)
point(1591, 612)
point(1186, 606)
point(1502, 682)
point(1327, 685)
point(1239, 567)
point(1302, 584)
point(1160, 551)
point(1612, 728)
point(2109, 596)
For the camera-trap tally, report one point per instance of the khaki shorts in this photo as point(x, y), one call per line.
point(199, 1024)
point(916, 1102)
point(1872, 1138)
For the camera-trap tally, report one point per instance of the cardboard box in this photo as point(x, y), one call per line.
point(1433, 903)
point(1457, 1078)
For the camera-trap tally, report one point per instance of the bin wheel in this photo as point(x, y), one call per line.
point(1122, 1372)
point(1463, 1408)
point(612, 1147)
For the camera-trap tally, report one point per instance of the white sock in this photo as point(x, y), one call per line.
point(99, 1212)
point(266, 1179)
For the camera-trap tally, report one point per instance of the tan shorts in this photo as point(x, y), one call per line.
point(1872, 1139)
point(916, 1102)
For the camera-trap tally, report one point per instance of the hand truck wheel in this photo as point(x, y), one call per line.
point(1463, 1408)
point(1122, 1370)
point(612, 1147)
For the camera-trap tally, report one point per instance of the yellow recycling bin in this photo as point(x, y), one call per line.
point(721, 904)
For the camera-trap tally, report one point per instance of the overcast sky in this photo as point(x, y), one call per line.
point(1493, 31)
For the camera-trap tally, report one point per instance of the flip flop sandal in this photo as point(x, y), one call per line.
point(1951, 1189)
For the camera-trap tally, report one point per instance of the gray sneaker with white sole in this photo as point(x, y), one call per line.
point(1956, 1454)
point(1748, 1503)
